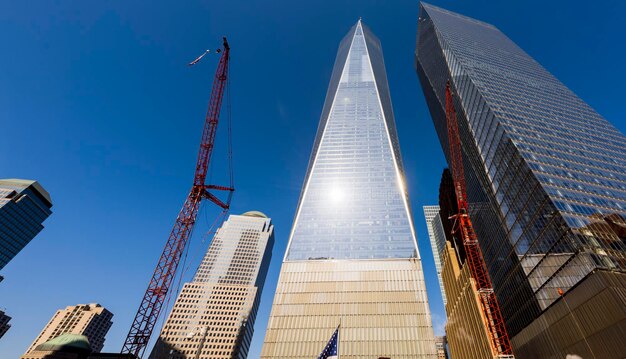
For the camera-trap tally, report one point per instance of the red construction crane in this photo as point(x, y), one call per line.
point(462, 224)
point(155, 295)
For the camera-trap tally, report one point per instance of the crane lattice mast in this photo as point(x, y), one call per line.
point(500, 343)
point(152, 302)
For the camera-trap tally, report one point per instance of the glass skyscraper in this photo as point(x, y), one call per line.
point(352, 257)
point(437, 238)
point(546, 184)
point(214, 315)
point(24, 205)
point(4, 323)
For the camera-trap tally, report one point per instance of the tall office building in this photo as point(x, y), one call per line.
point(214, 314)
point(546, 177)
point(91, 320)
point(441, 344)
point(437, 238)
point(352, 256)
point(24, 205)
point(4, 323)
point(466, 333)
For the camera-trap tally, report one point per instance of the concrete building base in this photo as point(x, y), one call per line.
point(381, 305)
point(588, 322)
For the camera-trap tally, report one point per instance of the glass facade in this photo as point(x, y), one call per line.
point(546, 173)
point(4, 323)
point(354, 203)
point(24, 205)
point(437, 237)
point(352, 258)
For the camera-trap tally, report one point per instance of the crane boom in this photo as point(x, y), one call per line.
point(156, 293)
point(500, 343)
point(212, 117)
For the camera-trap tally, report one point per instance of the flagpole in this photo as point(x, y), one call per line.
point(338, 339)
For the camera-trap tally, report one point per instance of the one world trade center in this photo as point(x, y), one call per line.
point(352, 259)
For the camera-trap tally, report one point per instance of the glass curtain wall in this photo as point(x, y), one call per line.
point(546, 173)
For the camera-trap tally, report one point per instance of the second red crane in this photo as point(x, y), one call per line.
point(462, 225)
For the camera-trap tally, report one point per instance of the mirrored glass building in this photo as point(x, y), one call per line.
point(546, 183)
point(4, 323)
point(24, 206)
point(352, 257)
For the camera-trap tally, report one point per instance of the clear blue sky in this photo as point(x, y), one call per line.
point(97, 104)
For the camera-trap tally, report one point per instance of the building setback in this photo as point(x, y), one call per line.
point(91, 320)
point(437, 241)
point(24, 205)
point(4, 323)
point(546, 177)
point(352, 256)
point(214, 314)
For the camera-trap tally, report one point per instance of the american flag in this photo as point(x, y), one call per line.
point(330, 351)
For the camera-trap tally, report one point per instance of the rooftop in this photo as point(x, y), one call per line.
point(23, 183)
point(255, 214)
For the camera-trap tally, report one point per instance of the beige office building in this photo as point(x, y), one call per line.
point(441, 344)
point(91, 320)
point(352, 256)
point(466, 330)
point(214, 314)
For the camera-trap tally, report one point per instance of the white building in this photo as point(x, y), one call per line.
point(214, 314)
